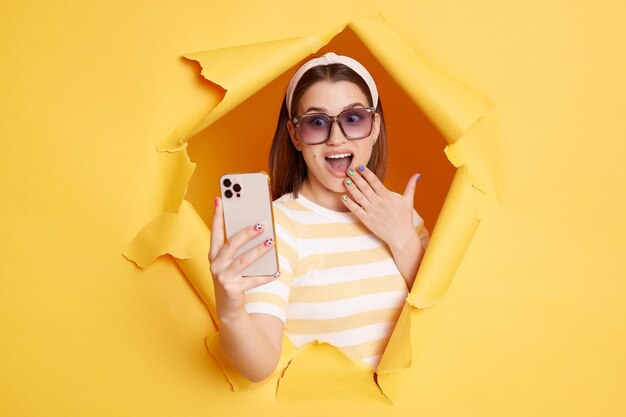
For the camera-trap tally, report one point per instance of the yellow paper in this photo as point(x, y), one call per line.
point(243, 70)
point(451, 105)
point(344, 381)
point(529, 100)
point(454, 107)
point(452, 235)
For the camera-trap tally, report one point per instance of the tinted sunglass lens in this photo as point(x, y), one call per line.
point(356, 123)
point(314, 128)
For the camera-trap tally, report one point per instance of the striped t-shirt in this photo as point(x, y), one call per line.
point(339, 283)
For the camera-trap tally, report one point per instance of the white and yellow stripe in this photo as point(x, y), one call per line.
point(339, 283)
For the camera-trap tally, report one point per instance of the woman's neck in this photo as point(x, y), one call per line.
point(322, 196)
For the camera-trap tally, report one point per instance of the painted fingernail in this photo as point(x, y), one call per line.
point(348, 181)
point(351, 171)
point(277, 274)
point(418, 177)
point(258, 227)
point(268, 242)
point(217, 201)
point(344, 197)
point(361, 168)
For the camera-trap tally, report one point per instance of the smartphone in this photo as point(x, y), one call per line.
point(246, 200)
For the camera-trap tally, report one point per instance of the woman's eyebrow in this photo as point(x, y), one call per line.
point(324, 110)
point(353, 105)
point(315, 109)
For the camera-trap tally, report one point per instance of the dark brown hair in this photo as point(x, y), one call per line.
point(286, 164)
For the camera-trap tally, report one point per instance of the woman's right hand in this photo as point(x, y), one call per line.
point(226, 268)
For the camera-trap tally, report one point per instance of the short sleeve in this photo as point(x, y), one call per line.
point(272, 298)
point(420, 229)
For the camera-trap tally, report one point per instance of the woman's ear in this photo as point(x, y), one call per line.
point(293, 135)
point(376, 127)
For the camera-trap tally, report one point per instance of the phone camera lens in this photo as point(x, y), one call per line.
point(227, 182)
point(237, 188)
point(228, 193)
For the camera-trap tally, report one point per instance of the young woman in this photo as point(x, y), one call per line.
point(349, 248)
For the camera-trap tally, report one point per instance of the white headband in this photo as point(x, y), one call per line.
point(327, 59)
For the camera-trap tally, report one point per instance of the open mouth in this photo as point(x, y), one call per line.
point(339, 163)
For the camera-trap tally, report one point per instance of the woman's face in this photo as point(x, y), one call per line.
point(328, 162)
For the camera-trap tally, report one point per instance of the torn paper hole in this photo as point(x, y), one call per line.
point(452, 108)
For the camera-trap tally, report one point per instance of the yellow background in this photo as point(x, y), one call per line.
point(533, 322)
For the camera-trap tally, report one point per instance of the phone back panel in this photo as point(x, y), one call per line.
point(246, 200)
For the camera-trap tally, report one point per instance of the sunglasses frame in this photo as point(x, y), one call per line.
point(333, 119)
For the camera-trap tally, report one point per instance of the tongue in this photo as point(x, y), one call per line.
point(338, 164)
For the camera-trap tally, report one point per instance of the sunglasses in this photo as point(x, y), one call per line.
point(355, 123)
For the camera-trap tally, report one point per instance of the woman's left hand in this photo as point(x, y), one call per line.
point(388, 215)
